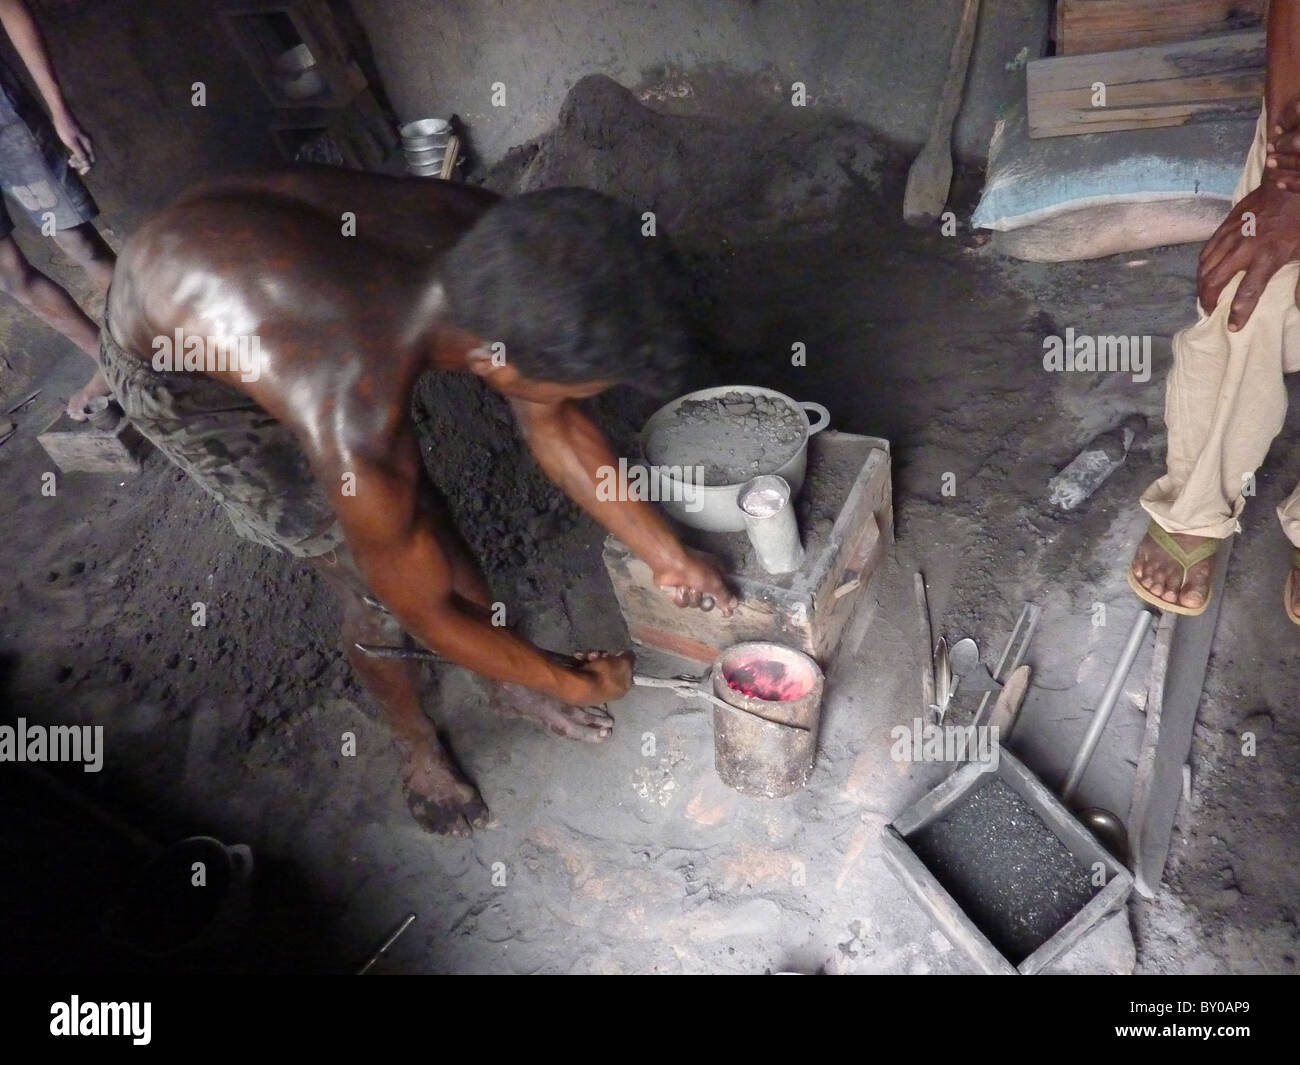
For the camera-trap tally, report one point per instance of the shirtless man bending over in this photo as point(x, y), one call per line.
point(311, 447)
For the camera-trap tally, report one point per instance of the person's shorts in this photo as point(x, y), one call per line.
point(244, 458)
point(36, 175)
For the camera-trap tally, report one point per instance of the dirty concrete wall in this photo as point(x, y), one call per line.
point(881, 62)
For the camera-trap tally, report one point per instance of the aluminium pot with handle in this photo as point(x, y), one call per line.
point(713, 508)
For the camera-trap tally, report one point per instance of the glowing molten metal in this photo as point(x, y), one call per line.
point(773, 682)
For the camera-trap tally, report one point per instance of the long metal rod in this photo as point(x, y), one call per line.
point(1030, 612)
point(927, 644)
point(1109, 698)
point(407, 921)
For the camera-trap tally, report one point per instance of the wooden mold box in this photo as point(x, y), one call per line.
point(78, 447)
point(948, 914)
point(846, 519)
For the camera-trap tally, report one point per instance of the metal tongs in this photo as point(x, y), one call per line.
point(681, 686)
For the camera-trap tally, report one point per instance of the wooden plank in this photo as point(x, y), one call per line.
point(936, 802)
point(1111, 897)
point(1084, 26)
point(78, 447)
point(1163, 85)
point(1174, 687)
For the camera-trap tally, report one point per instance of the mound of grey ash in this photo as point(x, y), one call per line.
point(733, 437)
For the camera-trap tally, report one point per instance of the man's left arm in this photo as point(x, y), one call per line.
point(30, 46)
point(572, 452)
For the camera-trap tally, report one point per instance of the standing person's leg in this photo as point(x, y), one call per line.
point(35, 175)
point(1288, 513)
point(51, 303)
point(1225, 402)
point(84, 246)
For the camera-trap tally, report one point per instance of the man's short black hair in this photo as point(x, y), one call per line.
point(565, 279)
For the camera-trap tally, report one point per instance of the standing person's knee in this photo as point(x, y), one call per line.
point(87, 248)
point(16, 273)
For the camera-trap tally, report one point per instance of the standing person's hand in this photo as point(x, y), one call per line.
point(1260, 235)
point(1282, 163)
point(81, 153)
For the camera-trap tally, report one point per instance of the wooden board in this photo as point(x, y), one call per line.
point(1084, 26)
point(78, 447)
point(1164, 85)
point(1174, 687)
point(935, 899)
point(801, 610)
point(256, 33)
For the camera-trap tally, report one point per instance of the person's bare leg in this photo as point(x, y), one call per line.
point(51, 303)
point(91, 252)
point(1163, 577)
point(85, 247)
point(440, 797)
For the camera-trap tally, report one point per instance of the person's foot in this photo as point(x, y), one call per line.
point(590, 724)
point(440, 799)
point(94, 388)
point(1162, 575)
point(1293, 588)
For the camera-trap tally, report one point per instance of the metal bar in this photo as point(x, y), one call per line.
point(23, 402)
point(927, 644)
point(407, 921)
point(1100, 716)
point(1029, 612)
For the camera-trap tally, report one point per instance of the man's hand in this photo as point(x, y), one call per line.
point(81, 153)
point(1260, 245)
point(605, 676)
point(693, 578)
point(1282, 163)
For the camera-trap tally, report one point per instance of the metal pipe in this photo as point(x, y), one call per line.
point(769, 520)
point(1109, 698)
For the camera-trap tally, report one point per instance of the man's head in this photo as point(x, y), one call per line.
point(567, 297)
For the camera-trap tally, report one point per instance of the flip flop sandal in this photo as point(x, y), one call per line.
point(1186, 559)
point(1286, 587)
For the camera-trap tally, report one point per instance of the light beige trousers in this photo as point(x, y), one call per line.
point(1225, 401)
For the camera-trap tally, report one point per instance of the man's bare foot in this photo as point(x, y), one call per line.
point(1162, 575)
point(93, 388)
point(591, 724)
point(439, 798)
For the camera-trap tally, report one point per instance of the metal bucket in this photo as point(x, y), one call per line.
point(717, 510)
point(765, 744)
